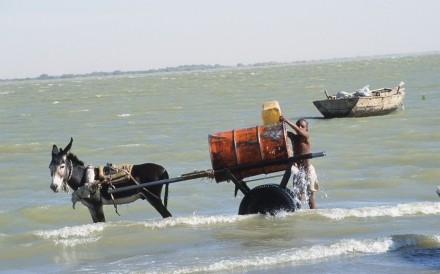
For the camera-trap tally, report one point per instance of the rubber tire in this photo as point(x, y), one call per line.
point(267, 199)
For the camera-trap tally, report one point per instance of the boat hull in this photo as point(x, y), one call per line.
point(360, 106)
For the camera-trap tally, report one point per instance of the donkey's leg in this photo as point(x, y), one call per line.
point(156, 202)
point(150, 172)
point(97, 213)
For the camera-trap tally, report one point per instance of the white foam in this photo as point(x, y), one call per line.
point(76, 241)
point(435, 238)
point(6, 92)
point(426, 208)
point(80, 110)
point(349, 247)
point(130, 145)
point(196, 220)
point(71, 236)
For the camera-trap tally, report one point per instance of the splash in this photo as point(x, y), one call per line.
point(300, 185)
point(426, 208)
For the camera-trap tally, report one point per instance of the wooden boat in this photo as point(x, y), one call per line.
point(360, 104)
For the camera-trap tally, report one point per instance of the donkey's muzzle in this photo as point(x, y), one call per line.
point(54, 188)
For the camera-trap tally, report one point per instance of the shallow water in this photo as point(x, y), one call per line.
point(378, 210)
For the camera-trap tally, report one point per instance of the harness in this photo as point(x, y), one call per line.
point(109, 174)
point(121, 174)
point(65, 185)
point(90, 189)
point(109, 165)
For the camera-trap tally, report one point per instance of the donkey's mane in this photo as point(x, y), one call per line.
point(72, 157)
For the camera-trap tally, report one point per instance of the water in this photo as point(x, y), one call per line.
point(377, 208)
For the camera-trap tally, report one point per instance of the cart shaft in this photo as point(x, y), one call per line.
point(210, 173)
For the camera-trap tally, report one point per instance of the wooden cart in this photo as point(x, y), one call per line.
point(240, 154)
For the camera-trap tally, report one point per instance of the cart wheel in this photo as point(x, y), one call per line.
point(267, 199)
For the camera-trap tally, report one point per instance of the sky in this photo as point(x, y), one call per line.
point(59, 37)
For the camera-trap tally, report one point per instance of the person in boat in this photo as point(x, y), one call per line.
point(303, 172)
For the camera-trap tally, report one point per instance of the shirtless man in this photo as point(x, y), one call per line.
point(301, 145)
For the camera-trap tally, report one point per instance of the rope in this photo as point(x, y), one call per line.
point(111, 195)
point(132, 178)
point(136, 182)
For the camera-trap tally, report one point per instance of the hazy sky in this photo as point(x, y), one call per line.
point(80, 36)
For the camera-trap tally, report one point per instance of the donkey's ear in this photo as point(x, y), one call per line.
point(55, 150)
point(69, 146)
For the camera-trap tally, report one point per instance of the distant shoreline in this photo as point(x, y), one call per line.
point(208, 67)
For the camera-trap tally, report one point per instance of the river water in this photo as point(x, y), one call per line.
point(377, 209)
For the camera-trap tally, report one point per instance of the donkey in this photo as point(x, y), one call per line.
point(69, 173)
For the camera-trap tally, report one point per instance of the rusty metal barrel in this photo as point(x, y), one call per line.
point(248, 146)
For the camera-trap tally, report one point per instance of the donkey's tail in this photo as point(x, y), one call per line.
point(165, 198)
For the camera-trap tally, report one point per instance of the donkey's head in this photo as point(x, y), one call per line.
point(60, 168)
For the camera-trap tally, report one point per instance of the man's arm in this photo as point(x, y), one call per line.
point(298, 130)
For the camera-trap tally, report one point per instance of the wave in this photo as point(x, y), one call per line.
point(19, 147)
point(89, 233)
point(85, 234)
point(71, 236)
point(426, 208)
point(196, 220)
point(6, 92)
point(423, 208)
point(298, 256)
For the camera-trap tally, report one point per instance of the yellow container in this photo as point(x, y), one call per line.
point(271, 112)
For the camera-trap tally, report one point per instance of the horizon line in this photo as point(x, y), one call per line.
point(195, 67)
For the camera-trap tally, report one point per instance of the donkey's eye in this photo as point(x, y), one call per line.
point(62, 166)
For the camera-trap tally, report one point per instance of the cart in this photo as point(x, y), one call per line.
point(241, 154)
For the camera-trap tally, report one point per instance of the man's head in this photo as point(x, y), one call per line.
point(303, 124)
